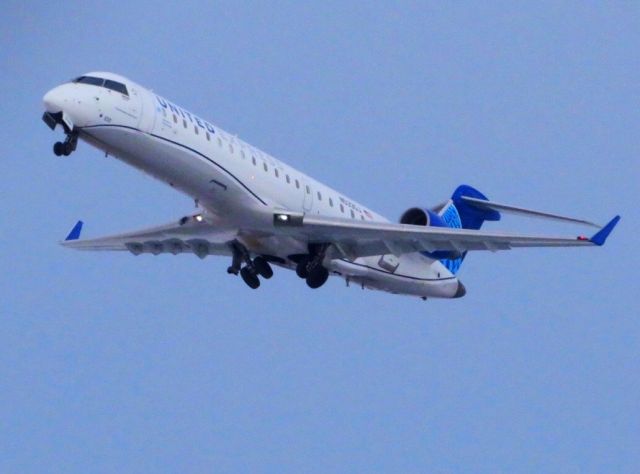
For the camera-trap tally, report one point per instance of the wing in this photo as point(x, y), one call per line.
point(190, 234)
point(352, 239)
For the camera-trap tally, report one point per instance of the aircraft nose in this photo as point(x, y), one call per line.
point(54, 100)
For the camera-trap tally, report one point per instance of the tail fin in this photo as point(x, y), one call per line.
point(458, 213)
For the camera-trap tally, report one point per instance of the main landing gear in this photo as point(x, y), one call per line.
point(68, 146)
point(252, 268)
point(310, 268)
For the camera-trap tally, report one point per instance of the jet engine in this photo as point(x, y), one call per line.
point(423, 217)
point(428, 218)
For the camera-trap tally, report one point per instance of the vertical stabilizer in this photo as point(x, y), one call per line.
point(459, 214)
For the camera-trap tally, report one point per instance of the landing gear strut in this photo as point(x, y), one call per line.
point(68, 146)
point(251, 269)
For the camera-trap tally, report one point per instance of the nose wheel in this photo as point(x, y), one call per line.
point(67, 147)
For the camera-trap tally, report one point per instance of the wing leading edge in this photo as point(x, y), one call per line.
point(191, 234)
point(354, 239)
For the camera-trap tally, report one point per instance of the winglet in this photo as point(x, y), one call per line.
point(75, 232)
point(600, 237)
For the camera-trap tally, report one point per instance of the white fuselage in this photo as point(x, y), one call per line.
point(236, 184)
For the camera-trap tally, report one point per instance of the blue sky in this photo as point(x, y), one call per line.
point(111, 363)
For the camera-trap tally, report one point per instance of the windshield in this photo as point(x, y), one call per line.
point(106, 83)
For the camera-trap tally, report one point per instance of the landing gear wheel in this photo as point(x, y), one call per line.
point(301, 268)
point(250, 278)
point(317, 277)
point(67, 148)
point(58, 148)
point(262, 267)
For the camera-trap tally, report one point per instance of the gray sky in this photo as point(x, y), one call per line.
point(112, 363)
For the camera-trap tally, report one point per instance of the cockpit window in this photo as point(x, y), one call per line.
point(116, 86)
point(107, 83)
point(95, 81)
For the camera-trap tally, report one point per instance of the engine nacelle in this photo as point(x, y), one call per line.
point(428, 218)
point(424, 217)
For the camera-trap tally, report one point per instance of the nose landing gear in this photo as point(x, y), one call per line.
point(68, 146)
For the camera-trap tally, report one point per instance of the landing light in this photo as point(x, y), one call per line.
point(289, 219)
point(199, 218)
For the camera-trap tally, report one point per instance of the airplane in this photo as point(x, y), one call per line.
point(261, 212)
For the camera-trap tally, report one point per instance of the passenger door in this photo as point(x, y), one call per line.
point(127, 106)
point(307, 203)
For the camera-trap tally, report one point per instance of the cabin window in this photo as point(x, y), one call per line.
point(330, 202)
point(230, 148)
point(208, 137)
point(319, 196)
point(164, 113)
point(308, 189)
point(184, 123)
point(264, 165)
point(242, 154)
point(288, 179)
point(253, 160)
point(297, 184)
point(275, 171)
point(219, 142)
point(361, 217)
point(195, 129)
point(175, 119)
point(353, 215)
point(341, 208)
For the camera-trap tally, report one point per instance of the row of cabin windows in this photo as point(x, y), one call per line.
point(264, 165)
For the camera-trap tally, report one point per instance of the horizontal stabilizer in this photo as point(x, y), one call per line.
point(482, 204)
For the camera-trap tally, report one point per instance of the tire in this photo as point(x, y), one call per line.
point(250, 278)
point(301, 268)
point(58, 148)
point(317, 277)
point(262, 267)
point(67, 148)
